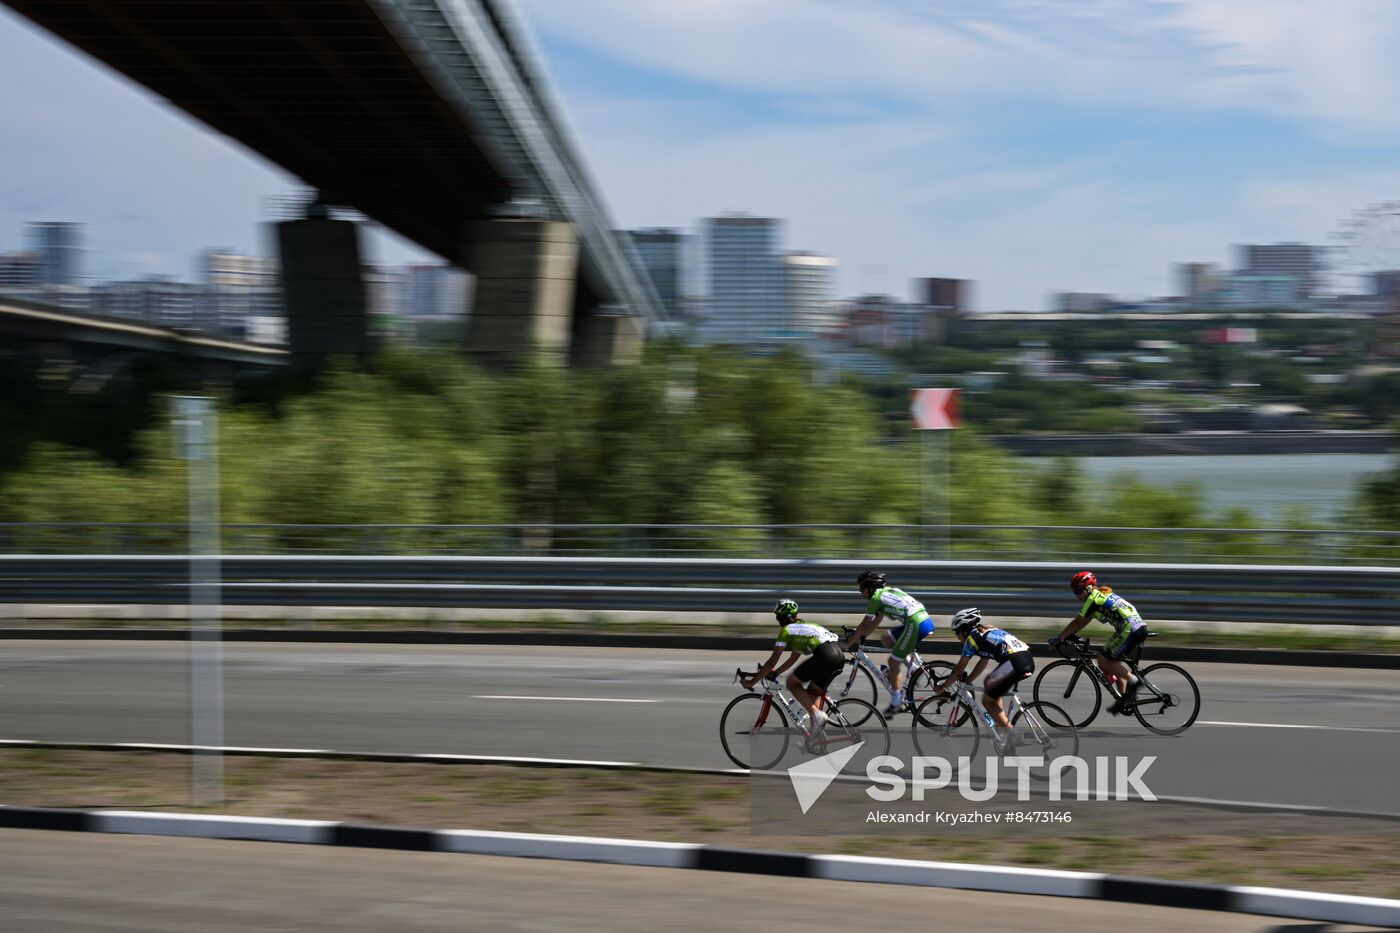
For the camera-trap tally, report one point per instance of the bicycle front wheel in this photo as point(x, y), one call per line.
point(946, 727)
point(1167, 700)
point(924, 681)
point(854, 684)
point(1069, 687)
point(856, 723)
point(754, 732)
point(1043, 730)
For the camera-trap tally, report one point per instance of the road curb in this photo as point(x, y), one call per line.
point(546, 638)
point(1328, 908)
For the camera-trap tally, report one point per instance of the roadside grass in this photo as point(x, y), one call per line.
point(712, 809)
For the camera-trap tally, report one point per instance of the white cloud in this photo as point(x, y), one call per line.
point(1330, 64)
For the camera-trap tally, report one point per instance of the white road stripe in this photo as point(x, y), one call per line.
point(1289, 725)
point(500, 696)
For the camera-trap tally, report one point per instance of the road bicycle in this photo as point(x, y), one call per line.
point(767, 710)
point(920, 679)
point(953, 726)
point(1167, 700)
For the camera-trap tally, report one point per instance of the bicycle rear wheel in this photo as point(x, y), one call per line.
point(1043, 730)
point(1167, 701)
point(1068, 686)
point(871, 734)
point(754, 732)
point(946, 727)
point(855, 684)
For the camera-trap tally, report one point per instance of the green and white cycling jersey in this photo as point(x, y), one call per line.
point(896, 605)
point(803, 637)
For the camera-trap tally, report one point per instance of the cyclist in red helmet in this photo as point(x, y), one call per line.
point(1129, 630)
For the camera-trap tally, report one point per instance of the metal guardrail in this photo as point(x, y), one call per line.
point(827, 541)
point(1188, 592)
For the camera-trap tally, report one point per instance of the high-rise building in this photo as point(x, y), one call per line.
point(1200, 284)
point(158, 300)
point(1299, 261)
point(1082, 302)
point(19, 273)
point(385, 289)
point(1386, 286)
point(435, 290)
point(950, 295)
point(663, 254)
point(235, 288)
point(59, 246)
point(882, 321)
point(1247, 291)
point(744, 279)
point(809, 292)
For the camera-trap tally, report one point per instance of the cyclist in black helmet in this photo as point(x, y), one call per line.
point(914, 624)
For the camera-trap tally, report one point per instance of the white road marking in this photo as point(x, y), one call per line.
point(501, 696)
point(1289, 725)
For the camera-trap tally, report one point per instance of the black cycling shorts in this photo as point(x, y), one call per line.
point(822, 667)
point(1004, 676)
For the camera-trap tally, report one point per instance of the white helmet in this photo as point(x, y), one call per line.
point(966, 619)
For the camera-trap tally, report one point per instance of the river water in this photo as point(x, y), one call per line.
point(1266, 484)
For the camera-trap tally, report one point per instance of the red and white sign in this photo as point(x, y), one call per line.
point(934, 409)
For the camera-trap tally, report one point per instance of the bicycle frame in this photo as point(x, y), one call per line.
point(913, 663)
point(773, 689)
point(1083, 660)
point(861, 659)
point(1011, 705)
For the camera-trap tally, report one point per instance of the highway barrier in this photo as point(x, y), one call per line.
point(1185, 592)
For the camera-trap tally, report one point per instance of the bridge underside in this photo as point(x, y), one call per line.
point(323, 89)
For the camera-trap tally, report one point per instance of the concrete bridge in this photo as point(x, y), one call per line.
point(433, 117)
point(93, 350)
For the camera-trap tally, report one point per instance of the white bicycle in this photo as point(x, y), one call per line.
point(920, 680)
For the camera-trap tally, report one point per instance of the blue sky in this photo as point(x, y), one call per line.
point(1032, 145)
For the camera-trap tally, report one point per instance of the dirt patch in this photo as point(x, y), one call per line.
point(644, 805)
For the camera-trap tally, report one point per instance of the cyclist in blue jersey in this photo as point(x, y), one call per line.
point(914, 624)
point(1129, 631)
point(987, 644)
point(813, 675)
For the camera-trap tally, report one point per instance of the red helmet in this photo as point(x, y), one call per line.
point(1082, 581)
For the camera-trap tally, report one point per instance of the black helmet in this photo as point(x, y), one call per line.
point(785, 610)
point(871, 578)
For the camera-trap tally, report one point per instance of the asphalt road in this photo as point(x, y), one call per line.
point(1297, 736)
point(57, 881)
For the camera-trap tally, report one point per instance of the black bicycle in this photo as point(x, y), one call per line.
point(1167, 700)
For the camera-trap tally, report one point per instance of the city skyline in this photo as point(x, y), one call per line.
point(1031, 180)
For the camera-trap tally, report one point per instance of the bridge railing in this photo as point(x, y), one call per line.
point(1192, 592)
point(827, 541)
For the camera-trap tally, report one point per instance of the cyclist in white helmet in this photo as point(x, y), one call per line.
point(982, 641)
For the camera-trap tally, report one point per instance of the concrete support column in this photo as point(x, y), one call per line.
point(525, 279)
point(609, 340)
point(323, 290)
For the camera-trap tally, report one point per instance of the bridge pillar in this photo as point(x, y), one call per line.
point(323, 290)
point(524, 303)
point(608, 340)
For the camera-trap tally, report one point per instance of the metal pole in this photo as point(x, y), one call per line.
point(197, 430)
point(923, 497)
point(947, 495)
